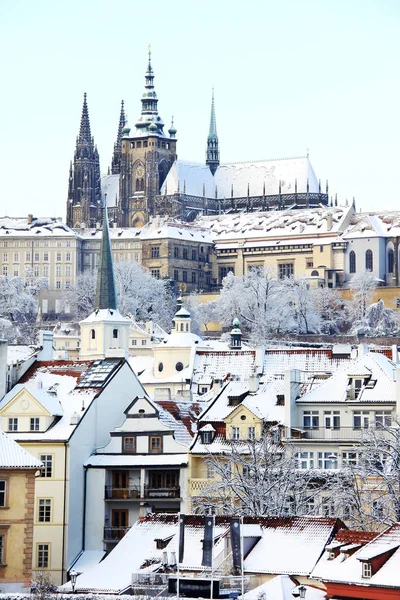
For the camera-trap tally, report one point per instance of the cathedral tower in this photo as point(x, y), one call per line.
point(116, 159)
point(212, 158)
point(84, 193)
point(146, 157)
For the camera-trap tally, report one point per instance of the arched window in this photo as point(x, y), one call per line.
point(137, 185)
point(142, 185)
point(369, 260)
point(187, 326)
point(390, 261)
point(93, 334)
point(352, 258)
point(314, 274)
point(181, 326)
point(115, 333)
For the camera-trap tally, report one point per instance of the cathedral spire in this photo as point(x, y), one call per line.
point(149, 120)
point(212, 159)
point(116, 159)
point(84, 130)
point(106, 296)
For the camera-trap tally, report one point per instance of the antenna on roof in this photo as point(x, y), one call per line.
point(308, 152)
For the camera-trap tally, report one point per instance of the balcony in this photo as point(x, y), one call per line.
point(134, 493)
point(170, 492)
point(299, 433)
point(127, 493)
point(114, 534)
point(197, 486)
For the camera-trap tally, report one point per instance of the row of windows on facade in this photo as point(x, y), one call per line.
point(155, 444)
point(146, 144)
point(207, 437)
point(115, 334)
point(183, 253)
point(362, 419)
point(369, 261)
point(36, 273)
point(37, 244)
point(15, 256)
point(34, 424)
point(334, 460)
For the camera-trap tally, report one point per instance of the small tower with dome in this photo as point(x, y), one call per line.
point(182, 319)
point(236, 335)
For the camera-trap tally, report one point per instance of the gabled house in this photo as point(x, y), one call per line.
point(142, 469)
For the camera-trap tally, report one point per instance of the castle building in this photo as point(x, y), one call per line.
point(146, 178)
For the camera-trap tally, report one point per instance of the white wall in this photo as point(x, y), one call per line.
point(93, 432)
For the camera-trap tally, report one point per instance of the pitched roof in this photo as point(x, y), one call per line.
point(349, 570)
point(12, 456)
point(277, 546)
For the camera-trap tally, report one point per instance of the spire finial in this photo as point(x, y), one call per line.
point(212, 157)
point(116, 159)
point(172, 129)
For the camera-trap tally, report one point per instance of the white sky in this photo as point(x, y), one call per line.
point(288, 75)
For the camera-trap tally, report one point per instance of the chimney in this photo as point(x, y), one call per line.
point(30, 218)
point(254, 383)
point(395, 354)
point(216, 385)
point(3, 368)
point(329, 221)
point(363, 349)
point(46, 343)
point(292, 392)
point(39, 384)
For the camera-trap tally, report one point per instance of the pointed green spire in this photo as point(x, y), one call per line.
point(106, 296)
point(212, 159)
point(212, 134)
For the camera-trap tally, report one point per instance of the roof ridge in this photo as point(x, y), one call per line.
point(260, 160)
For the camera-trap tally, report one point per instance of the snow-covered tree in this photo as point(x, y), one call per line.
point(304, 314)
point(139, 294)
point(19, 307)
point(261, 477)
point(362, 287)
point(377, 321)
point(331, 309)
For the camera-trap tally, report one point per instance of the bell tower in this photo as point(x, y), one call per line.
point(147, 155)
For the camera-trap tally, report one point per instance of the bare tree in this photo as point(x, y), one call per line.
point(260, 477)
point(363, 287)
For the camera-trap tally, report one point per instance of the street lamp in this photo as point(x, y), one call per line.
point(300, 591)
point(73, 575)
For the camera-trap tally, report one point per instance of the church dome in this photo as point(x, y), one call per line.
point(153, 127)
point(126, 130)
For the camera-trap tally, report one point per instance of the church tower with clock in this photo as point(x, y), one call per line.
point(147, 155)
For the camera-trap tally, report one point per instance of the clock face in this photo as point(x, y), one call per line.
point(140, 171)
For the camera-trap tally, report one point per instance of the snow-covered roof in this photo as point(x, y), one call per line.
point(172, 229)
point(105, 314)
point(278, 360)
point(116, 234)
point(67, 330)
point(12, 456)
point(48, 398)
point(219, 364)
point(194, 179)
point(136, 460)
point(19, 354)
point(374, 224)
point(38, 227)
point(86, 560)
point(280, 546)
point(376, 366)
point(281, 588)
point(349, 570)
point(305, 223)
point(75, 385)
point(110, 186)
point(256, 178)
point(181, 417)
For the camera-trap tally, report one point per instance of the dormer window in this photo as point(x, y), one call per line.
point(206, 437)
point(366, 570)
